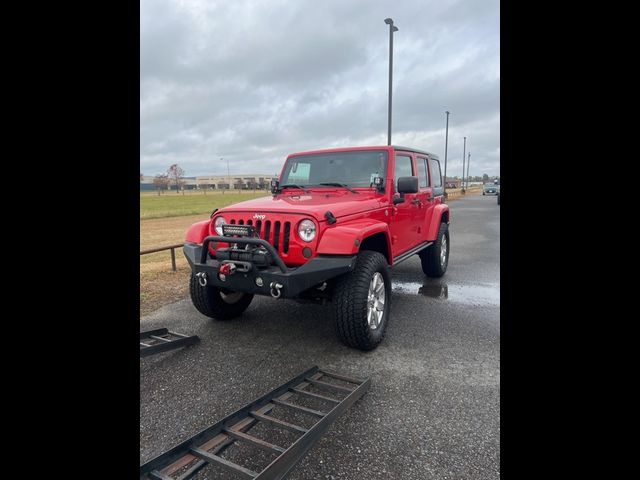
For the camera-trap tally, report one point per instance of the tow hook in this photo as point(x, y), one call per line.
point(226, 269)
point(202, 278)
point(275, 289)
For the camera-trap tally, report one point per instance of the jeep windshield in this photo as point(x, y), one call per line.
point(342, 169)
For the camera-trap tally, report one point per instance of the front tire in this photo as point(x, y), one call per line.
point(362, 302)
point(435, 258)
point(216, 303)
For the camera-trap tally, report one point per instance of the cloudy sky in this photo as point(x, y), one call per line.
point(251, 81)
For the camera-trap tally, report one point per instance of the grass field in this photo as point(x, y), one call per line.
point(172, 204)
point(159, 285)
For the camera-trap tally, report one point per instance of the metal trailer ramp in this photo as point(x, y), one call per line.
point(185, 460)
point(161, 340)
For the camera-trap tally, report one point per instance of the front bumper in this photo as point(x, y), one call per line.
point(293, 280)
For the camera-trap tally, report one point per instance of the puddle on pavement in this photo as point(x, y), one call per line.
point(467, 294)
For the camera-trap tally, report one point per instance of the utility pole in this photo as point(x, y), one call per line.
point(446, 141)
point(392, 28)
point(464, 151)
point(468, 163)
point(228, 178)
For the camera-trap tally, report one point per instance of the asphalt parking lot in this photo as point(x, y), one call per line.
point(433, 409)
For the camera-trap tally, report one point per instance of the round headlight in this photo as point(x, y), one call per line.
point(220, 221)
point(307, 230)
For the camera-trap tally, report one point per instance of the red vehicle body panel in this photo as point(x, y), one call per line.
point(198, 231)
point(359, 216)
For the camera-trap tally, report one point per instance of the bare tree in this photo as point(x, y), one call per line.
point(175, 176)
point(161, 182)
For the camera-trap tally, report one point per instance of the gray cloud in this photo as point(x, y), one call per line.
point(252, 81)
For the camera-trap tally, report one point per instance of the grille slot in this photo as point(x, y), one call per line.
point(267, 231)
point(276, 235)
point(285, 240)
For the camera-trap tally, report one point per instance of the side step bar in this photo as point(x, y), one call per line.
point(401, 258)
point(190, 456)
point(161, 340)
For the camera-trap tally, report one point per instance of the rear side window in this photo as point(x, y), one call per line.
point(423, 175)
point(436, 176)
point(403, 168)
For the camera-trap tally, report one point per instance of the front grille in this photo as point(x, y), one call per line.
point(276, 233)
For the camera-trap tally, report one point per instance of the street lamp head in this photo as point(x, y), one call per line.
point(447, 112)
point(388, 21)
point(394, 28)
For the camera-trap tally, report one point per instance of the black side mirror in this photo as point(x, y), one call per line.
point(407, 185)
point(274, 185)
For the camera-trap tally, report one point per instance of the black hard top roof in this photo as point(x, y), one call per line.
point(415, 150)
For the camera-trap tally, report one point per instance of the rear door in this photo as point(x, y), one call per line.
point(403, 223)
point(425, 197)
point(437, 191)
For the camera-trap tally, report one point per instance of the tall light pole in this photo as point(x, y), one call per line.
point(228, 178)
point(446, 141)
point(392, 28)
point(464, 148)
point(468, 163)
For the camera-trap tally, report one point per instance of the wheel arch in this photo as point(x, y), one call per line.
point(197, 232)
point(440, 215)
point(351, 238)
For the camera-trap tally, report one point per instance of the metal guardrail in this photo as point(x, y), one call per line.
point(161, 249)
point(455, 193)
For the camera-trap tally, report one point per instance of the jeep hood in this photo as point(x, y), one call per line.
point(315, 203)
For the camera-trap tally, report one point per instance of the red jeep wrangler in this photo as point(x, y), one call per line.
point(337, 220)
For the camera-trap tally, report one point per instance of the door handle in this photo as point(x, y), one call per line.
point(416, 201)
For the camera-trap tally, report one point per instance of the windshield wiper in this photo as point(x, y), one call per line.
point(292, 185)
point(336, 184)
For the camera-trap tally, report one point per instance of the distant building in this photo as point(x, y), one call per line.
point(452, 183)
point(217, 182)
point(235, 182)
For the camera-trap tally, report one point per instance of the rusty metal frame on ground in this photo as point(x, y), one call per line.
point(203, 448)
point(162, 340)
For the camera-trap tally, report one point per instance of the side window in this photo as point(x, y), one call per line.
point(423, 176)
point(403, 168)
point(436, 176)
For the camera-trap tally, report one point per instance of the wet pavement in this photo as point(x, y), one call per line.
point(433, 410)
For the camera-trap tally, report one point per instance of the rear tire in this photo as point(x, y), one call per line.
point(435, 258)
point(362, 302)
point(214, 303)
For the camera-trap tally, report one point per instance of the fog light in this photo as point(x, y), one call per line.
point(259, 281)
point(306, 251)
